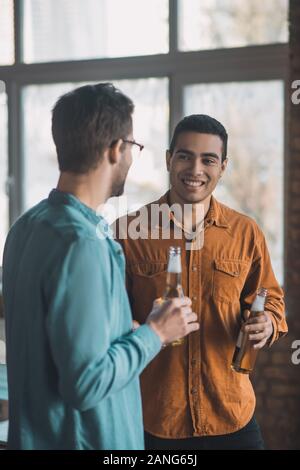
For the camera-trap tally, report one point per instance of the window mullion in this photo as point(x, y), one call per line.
point(18, 30)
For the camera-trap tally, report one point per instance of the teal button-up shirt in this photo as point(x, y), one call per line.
point(73, 361)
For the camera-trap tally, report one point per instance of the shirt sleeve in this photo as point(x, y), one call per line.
point(128, 277)
point(261, 275)
point(90, 365)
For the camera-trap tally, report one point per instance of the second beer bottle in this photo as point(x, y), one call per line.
point(245, 355)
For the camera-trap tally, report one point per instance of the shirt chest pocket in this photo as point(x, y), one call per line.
point(147, 282)
point(228, 279)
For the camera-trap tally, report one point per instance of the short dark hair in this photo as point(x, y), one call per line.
point(86, 121)
point(203, 124)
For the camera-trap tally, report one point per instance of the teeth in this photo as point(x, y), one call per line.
point(193, 183)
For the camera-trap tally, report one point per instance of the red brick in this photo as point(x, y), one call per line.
point(275, 404)
point(295, 204)
point(280, 373)
point(260, 387)
point(296, 145)
point(286, 390)
point(279, 358)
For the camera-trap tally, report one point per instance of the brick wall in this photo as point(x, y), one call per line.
point(276, 379)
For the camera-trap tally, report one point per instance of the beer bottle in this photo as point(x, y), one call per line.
point(173, 286)
point(244, 356)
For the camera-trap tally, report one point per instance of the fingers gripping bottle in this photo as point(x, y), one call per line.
point(244, 356)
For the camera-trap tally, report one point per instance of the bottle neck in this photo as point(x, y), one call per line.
point(174, 265)
point(173, 286)
point(258, 304)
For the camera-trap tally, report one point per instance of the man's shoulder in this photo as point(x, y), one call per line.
point(54, 222)
point(237, 219)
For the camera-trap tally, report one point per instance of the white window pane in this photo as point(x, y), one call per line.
point(56, 30)
point(252, 114)
point(213, 24)
point(6, 32)
point(147, 177)
point(41, 168)
point(3, 169)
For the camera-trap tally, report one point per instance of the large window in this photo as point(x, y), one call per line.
point(6, 32)
point(253, 183)
point(226, 58)
point(213, 24)
point(85, 29)
point(3, 169)
point(147, 176)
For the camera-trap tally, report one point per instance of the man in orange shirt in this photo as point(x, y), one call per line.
point(192, 399)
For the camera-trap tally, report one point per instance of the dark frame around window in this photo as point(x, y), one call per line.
point(264, 62)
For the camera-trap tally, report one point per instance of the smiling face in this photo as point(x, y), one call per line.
point(195, 166)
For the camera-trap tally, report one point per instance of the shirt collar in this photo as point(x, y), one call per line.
point(59, 197)
point(213, 216)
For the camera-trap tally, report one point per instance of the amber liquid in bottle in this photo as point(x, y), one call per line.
point(244, 356)
point(173, 285)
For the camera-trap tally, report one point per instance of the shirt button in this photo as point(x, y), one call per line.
point(194, 298)
point(194, 268)
point(194, 391)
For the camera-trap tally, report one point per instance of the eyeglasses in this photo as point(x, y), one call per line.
point(137, 148)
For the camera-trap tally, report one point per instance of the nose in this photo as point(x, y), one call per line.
point(197, 167)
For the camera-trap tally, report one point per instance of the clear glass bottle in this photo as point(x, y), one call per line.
point(244, 356)
point(173, 285)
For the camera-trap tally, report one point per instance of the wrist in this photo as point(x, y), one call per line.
point(156, 330)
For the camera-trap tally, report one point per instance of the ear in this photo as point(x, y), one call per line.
point(168, 159)
point(115, 152)
point(223, 166)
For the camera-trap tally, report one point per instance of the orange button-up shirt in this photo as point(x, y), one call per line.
point(191, 390)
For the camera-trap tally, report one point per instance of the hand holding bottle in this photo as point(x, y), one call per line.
point(173, 319)
point(173, 284)
point(259, 328)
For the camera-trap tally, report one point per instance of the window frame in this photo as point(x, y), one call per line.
point(262, 62)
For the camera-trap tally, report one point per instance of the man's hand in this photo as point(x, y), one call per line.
point(259, 328)
point(172, 319)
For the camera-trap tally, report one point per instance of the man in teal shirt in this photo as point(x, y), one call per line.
point(73, 359)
